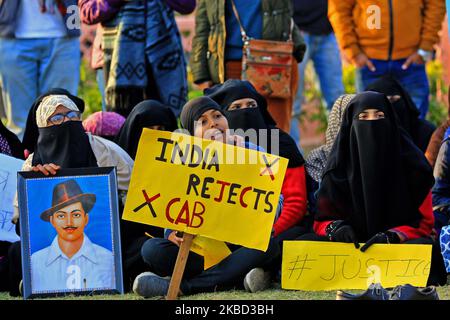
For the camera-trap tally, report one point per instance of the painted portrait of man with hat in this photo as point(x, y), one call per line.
point(72, 261)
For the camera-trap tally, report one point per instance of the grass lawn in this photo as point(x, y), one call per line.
point(274, 294)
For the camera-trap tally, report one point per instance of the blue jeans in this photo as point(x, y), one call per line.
point(414, 80)
point(100, 76)
point(161, 254)
point(323, 51)
point(29, 67)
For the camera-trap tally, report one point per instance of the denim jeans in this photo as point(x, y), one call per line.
point(161, 254)
point(414, 80)
point(323, 51)
point(100, 77)
point(29, 67)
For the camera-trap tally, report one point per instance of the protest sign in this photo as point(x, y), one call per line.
point(205, 187)
point(9, 167)
point(314, 266)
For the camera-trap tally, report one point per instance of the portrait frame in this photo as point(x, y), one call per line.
point(51, 236)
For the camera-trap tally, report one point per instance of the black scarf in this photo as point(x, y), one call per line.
point(376, 178)
point(254, 118)
point(420, 130)
point(194, 109)
point(31, 133)
point(145, 114)
point(66, 145)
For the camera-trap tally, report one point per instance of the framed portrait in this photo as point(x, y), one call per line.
point(69, 226)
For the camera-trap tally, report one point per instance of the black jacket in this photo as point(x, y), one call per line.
point(312, 16)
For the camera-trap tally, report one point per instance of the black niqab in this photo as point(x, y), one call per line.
point(145, 114)
point(420, 130)
point(376, 178)
point(254, 118)
point(66, 145)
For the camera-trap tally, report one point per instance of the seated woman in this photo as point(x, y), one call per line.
point(149, 114)
point(376, 185)
point(246, 109)
point(441, 188)
point(10, 145)
point(63, 143)
point(420, 130)
point(161, 254)
point(105, 124)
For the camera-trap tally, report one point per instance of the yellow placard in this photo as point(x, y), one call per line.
point(205, 187)
point(314, 266)
point(213, 251)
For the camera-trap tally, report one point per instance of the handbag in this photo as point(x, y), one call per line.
point(267, 64)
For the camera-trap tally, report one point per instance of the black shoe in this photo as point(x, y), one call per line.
point(374, 292)
point(409, 292)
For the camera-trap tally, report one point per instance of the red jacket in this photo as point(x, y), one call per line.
point(406, 232)
point(294, 203)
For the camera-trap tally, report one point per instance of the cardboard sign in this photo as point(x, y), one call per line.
point(205, 187)
point(212, 250)
point(314, 266)
point(9, 167)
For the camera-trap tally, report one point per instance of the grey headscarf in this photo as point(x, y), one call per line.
point(317, 158)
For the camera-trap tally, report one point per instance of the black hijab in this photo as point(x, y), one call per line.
point(66, 145)
point(13, 142)
point(254, 118)
point(194, 109)
point(375, 178)
point(420, 130)
point(145, 114)
point(31, 133)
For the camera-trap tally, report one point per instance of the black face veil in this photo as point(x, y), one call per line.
point(376, 178)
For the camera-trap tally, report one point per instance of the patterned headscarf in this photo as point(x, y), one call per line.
point(317, 158)
point(49, 105)
point(4, 146)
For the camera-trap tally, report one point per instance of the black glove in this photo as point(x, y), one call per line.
point(339, 231)
point(381, 237)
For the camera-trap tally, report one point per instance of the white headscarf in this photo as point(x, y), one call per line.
point(49, 105)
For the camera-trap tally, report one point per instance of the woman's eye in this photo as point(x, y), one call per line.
point(218, 116)
point(60, 216)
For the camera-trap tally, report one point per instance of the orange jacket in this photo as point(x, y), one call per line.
point(386, 29)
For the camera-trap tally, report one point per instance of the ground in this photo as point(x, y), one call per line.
point(275, 294)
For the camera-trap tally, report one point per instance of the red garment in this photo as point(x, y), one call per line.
point(294, 203)
point(406, 232)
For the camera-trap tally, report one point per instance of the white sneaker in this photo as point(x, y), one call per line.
point(257, 280)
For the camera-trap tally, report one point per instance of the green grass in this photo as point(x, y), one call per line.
point(274, 294)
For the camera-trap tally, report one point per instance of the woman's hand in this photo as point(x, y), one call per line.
point(173, 238)
point(236, 140)
point(48, 168)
